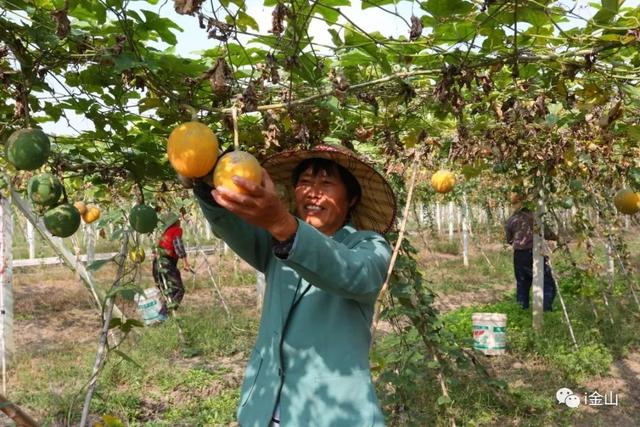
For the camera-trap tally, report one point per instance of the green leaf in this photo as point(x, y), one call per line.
point(366, 4)
point(130, 324)
point(355, 58)
point(456, 32)
point(330, 15)
point(335, 37)
point(367, 45)
point(96, 265)
point(127, 358)
point(115, 322)
point(607, 12)
point(534, 16)
point(243, 20)
point(447, 8)
point(444, 400)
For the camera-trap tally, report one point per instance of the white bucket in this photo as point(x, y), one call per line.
point(150, 305)
point(490, 332)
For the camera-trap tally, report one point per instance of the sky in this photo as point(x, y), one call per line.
point(192, 39)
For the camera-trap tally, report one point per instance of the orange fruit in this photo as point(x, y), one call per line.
point(192, 149)
point(82, 208)
point(236, 163)
point(443, 181)
point(627, 202)
point(92, 214)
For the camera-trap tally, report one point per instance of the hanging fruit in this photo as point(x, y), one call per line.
point(192, 149)
point(27, 149)
point(443, 181)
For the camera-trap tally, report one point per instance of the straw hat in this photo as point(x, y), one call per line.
point(168, 220)
point(376, 209)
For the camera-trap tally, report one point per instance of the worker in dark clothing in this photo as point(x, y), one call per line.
point(165, 263)
point(519, 233)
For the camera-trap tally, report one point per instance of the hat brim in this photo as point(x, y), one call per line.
point(376, 209)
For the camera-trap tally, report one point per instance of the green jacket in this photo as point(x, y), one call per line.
point(320, 363)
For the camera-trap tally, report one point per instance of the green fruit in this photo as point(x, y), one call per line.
point(143, 218)
point(567, 202)
point(44, 189)
point(28, 149)
point(62, 221)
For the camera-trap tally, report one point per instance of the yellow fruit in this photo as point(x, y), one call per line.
point(92, 213)
point(82, 208)
point(443, 181)
point(236, 163)
point(136, 255)
point(627, 202)
point(192, 149)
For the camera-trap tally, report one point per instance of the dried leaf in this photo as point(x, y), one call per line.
point(277, 21)
point(416, 28)
point(220, 77)
point(250, 98)
point(187, 7)
point(63, 26)
point(119, 46)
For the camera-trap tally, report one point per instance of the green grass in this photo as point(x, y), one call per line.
point(181, 354)
point(187, 371)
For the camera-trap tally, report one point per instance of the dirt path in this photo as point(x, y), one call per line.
point(52, 309)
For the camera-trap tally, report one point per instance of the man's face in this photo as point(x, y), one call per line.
point(321, 200)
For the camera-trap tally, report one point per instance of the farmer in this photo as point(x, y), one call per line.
point(324, 269)
point(519, 234)
point(165, 262)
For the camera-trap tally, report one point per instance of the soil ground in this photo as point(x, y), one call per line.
point(52, 309)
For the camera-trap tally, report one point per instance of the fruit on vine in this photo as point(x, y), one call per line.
point(44, 189)
point(82, 208)
point(92, 214)
point(143, 218)
point(62, 221)
point(627, 201)
point(236, 163)
point(443, 181)
point(27, 149)
point(192, 149)
point(137, 255)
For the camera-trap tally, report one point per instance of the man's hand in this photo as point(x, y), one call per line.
point(259, 205)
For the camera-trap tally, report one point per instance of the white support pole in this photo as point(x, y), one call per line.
point(261, 284)
point(611, 268)
point(207, 229)
point(458, 218)
point(57, 245)
point(31, 241)
point(421, 213)
point(438, 218)
point(465, 231)
point(451, 207)
point(7, 344)
point(538, 263)
point(90, 242)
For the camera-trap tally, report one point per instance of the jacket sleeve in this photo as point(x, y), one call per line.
point(251, 243)
point(356, 271)
point(508, 230)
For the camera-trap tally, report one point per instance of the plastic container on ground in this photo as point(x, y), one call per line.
point(150, 305)
point(490, 333)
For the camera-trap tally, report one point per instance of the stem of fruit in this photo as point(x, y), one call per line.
point(234, 116)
